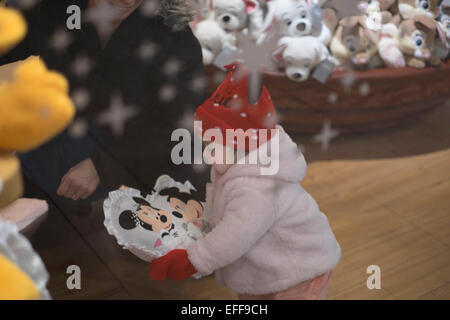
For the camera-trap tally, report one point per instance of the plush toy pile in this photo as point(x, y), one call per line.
point(150, 226)
point(347, 34)
point(34, 107)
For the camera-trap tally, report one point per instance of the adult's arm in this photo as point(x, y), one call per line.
point(70, 156)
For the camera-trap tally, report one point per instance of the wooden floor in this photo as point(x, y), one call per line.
point(387, 196)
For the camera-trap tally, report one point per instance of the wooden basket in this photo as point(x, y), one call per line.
point(377, 98)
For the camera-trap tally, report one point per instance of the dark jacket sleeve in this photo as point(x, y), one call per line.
point(47, 164)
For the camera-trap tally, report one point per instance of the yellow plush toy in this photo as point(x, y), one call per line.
point(14, 283)
point(10, 179)
point(12, 29)
point(34, 107)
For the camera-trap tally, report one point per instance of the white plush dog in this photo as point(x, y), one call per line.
point(298, 18)
point(239, 15)
point(213, 39)
point(298, 56)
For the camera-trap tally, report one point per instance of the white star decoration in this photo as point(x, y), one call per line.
point(256, 56)
point(78, 129)
point(333, 97)
point(60, 40)
point(82, 66)
point(167, 93)
point(364, 89)
point(172, 67)
point(101, 16)
point(326, 135)
point(348, 80)
point(198, 83)
point(147, 50)
point(81, 98)
point(149, 8)
point(117, 115)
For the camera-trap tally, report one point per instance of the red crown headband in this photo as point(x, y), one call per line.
point(229, 112)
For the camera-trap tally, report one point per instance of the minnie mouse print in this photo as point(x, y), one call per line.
point(151, 226)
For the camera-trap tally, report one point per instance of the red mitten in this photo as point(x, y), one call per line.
point(175, 265)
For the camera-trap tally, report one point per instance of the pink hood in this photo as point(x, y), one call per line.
point(269, 233)
point(292, 164)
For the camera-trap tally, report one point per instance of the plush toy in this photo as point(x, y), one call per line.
point(353, 43)
point(22, 272)
point(298, 18)
point(151, 226)
point(12, 29)
point(444, 24)
point(14, 283)
point(10, 179)
point(330, 22)
point(389, 5)
point(370, 34)
point(35, 106)
point(342, 8)
point(213, 39)
point(388, 47)
point(374, 16)
point(240, 15)
point(441, 48)
point(298, 56)
point(416, 40)
point(408, 9)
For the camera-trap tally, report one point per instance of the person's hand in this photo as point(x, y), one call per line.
point(80, 181)
point(175, 265)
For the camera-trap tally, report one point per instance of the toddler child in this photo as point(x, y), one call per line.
point(269, 239)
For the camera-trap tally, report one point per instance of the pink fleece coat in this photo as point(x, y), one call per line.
point(268, 232)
